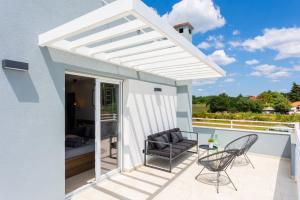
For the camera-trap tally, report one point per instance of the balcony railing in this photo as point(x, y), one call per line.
point(265, 126)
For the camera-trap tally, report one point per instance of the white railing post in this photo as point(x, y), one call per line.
point(231, 124)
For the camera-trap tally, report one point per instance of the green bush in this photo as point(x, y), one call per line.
point(249, 116)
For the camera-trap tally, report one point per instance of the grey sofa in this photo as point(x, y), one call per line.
point(169, 144)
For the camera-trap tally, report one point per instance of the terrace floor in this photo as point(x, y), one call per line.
point(269, 180)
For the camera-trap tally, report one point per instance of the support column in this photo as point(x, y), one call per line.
point(184, 105)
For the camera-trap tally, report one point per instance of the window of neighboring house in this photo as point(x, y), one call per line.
point(181, 30)
point(298, 107)
point(190, 31)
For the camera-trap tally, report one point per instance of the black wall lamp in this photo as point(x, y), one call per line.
point(14, 65)
point(157, 89)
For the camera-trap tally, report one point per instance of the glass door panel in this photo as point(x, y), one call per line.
point(107, 111)
point(109, 127)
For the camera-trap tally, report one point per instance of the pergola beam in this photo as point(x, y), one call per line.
point(140, 49)
point(101, 16)
point(169, 63)
point(110, 33)
point(153, 54)
point(131, 41)
point(159, 59)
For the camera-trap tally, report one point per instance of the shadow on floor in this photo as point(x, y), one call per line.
point(142, 183)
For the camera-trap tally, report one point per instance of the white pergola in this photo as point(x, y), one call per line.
point(130, 34)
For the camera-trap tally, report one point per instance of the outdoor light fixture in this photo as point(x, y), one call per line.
point(157, 89)
point(14, 65)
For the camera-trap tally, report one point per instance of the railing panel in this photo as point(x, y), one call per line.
point(265, 126)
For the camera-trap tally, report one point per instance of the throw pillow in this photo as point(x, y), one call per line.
point(174, 137)
point(163, 139)
point(179, 135)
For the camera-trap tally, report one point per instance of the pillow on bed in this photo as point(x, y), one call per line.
point(73, 141)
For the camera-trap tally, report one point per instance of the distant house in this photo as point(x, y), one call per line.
point(253, 98)
point(295, 107)
point(268, 110)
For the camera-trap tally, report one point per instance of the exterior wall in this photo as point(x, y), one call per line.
point(32, 103)
point(145, 112)
point(272, 144)
point(184, 109)
point(296, 157)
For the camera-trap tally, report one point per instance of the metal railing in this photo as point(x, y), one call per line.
point(266, 126)
point(109, 117)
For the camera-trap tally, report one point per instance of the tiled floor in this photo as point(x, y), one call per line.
point(268, 181)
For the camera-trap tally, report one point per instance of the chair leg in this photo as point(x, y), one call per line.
point(230, 180)
point(248, 159)
point(170, 165)
point(200, 173)
point(231, 165)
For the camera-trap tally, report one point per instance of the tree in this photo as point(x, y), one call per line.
point(266, 98)
point(274, 99)
point(281, 107)
point(256, 107)
point(219, 103)
point(294, 94)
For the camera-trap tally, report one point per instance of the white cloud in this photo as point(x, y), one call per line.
point(217, 41)
point(202, 14)
point(200, 89)
point(204, 45)
point(236, 32)
point(221, 58)
point(233, 74)
point(234, 43)
point(252, 62)
point(204, 82)
point(229, 80)
point(213, 41)
point(271, 71)
point(286, 41)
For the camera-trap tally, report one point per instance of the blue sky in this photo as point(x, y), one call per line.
point(257, 42)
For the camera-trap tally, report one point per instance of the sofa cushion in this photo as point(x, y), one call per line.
point(162, 138)
point(176, 137)
point(166, 152)
point(175, 130)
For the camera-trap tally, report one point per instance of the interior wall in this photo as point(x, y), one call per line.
point(83, 90)
point(145, 112)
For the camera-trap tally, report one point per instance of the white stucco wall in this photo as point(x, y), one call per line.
point(145, 112)
point(184, 108)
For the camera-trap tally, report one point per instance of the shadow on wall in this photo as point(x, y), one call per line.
point(22, 82)
point(56, 71)
point(147, 114)
point(22, 85)
point(284, 186)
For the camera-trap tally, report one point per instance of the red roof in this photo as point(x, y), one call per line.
point(253, 98)
point(295, 104)
point(183, 24)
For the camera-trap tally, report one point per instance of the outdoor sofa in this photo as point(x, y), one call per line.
point(169, 145)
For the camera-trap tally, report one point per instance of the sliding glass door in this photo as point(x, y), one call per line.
point(108, 126)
